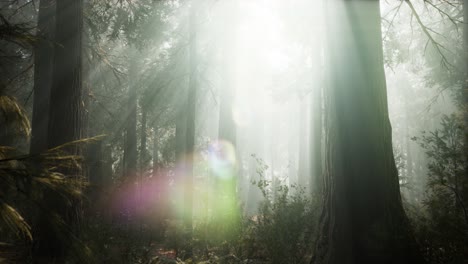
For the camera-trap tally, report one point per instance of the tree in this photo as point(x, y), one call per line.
point(362, 218)
point(66, 99)
point(43, 69)
point(190, 126)
point(465, 81)
point(130, 145)
point(65, 118)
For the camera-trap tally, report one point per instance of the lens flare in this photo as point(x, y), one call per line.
point(222, 159)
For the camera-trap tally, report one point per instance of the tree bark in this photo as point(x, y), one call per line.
point(362, 220)
point(66, 100)
point(65, 125)
point(43, 70)
point(465, 80)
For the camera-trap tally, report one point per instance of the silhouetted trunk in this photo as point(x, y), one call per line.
point(66, 99)
point(95, 164)
point(465, 81)
point(155, 152)
point(130, 145)
point(363, 220)
point(65, 125)
point(410, 177)
point(144, 157)
point(43, 70)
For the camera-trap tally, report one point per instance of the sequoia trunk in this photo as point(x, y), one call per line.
point(363, 220)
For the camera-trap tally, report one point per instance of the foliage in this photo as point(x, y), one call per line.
point(25, 182)
point(284, 228)
point(443, 230)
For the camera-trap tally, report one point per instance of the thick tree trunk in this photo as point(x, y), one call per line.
point(65, 124)
point(66, 102)
point(43, 70)
point(465, 83)
point(363, 220)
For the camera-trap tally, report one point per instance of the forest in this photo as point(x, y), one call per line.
point(234, 131)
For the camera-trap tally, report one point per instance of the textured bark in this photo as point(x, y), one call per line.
point(43, 70)
point(465, 85)
point(65, 125)
point(66, 95)
point(363, 220)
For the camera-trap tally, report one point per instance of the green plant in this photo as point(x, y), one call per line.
point(443, 231)
point(284, 227)
point(25, 181)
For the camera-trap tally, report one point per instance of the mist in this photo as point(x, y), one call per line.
point(233, 131)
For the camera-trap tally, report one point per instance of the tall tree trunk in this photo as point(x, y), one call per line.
point(144, 157)
point(155, 151)
point(43, 70)
point(465, 81)
point(66, 111)
point(190, 132)
point(65, 122)
point(363, 220)
point(180, 130)
point(227, 127)
point(226, 197)
point(303, 170)
point(292, 148)
point(316, 110)
point(316, 182)
point(130, 145)
point(410, 176)
point(180, 150)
